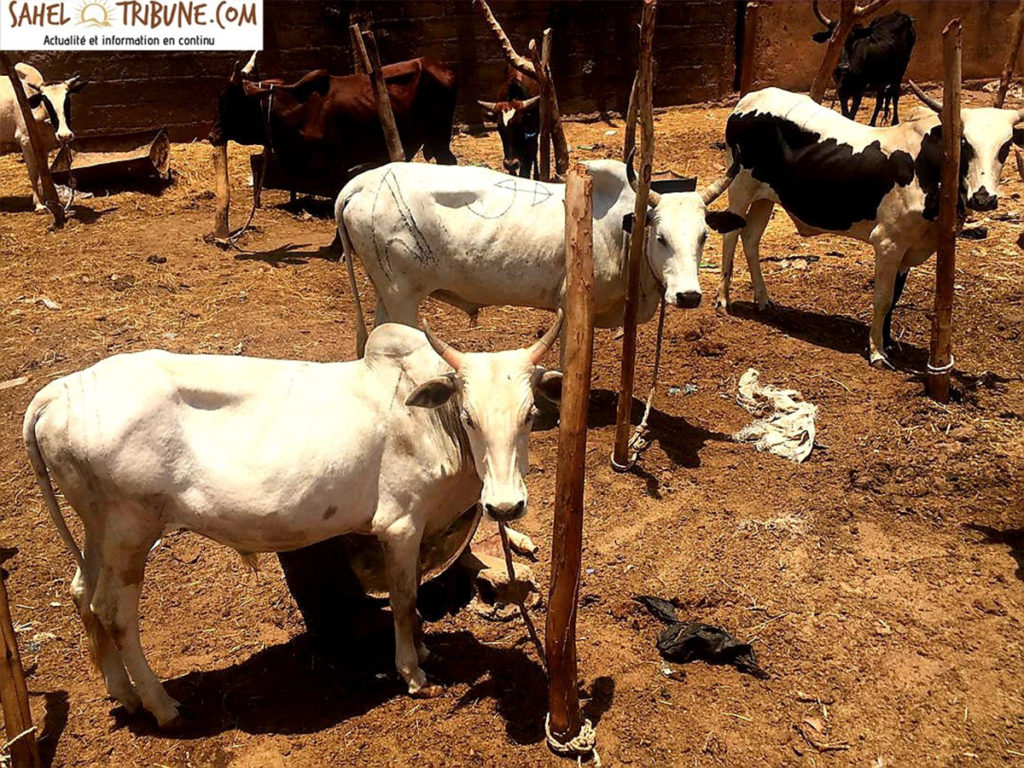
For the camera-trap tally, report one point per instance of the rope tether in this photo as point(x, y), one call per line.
point(579, 746)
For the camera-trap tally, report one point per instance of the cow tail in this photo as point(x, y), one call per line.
point(35, 410)
point(349, 254)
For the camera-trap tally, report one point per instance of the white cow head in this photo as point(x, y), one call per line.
point(988, 134)
point(678, 227)
point(55, 99)
point(494, 394)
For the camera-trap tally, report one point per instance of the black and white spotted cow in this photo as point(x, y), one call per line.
point(877, 185)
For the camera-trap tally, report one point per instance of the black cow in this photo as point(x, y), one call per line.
point(517, 113)
point(874, 58)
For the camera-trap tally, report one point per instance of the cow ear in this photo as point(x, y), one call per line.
point(549, 384)
point(822, 37)
point(433, 393)
point(724, 221)
point(1018, 137)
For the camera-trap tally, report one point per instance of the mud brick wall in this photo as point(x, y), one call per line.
point(594, 56)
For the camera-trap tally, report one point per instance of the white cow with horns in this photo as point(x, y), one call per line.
point(51, 109)
point(474, 237)
point(273, 455)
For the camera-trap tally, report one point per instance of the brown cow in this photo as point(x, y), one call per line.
point(323, 127)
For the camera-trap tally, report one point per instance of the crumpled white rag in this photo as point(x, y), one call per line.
point(786, 426)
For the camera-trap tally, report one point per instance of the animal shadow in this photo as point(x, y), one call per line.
point(1011, 537)
point(307, 685)
point(292, 254)
point(54, 722)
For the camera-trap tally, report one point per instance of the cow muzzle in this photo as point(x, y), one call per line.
point(506, 511)
point(64, 137)
point(983, 201)
point(688, 299)
point(511, 166)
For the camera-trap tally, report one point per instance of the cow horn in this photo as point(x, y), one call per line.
point(490, 106)
point(711, 192)
point(236, 76)
point(653, 198)
point(928, 100)
point(821, 16)
point(248, 68)
point(530, 102)
point(543, 344)
point(451, 355)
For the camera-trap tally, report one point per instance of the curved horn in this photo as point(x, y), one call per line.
point(490, 106)
point(928, 100)
point(451, 355)
point(653, 198)
point(711, 192)
point(821, 16)
point(543, 344)
point(248, 68)
point(530, 102)
point(236, 76)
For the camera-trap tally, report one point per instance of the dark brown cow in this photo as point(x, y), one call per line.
point(517, 113)
point(323, 127)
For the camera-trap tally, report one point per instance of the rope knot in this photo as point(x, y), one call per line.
point(579, 746)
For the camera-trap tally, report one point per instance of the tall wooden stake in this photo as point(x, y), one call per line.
point(366, 54)
point(637, 240)
point(359, 64)
point(849, 14)
point(940, 360)
point(13, 693)
point(544, 139)
point(567, 536)
point(1011, 56)
point(46, 187)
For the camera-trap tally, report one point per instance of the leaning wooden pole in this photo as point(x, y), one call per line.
point(359, 63)
point(544, 137)
point(564, 719)
point(21, 736)
point(940, 361)
point(621, 459)
point(367, 54)
point(1011, 56)
point(46, 188)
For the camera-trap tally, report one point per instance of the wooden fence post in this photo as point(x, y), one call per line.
point(637, 240)
point(1011, 56)
point(544, 137)
point(13, 693)
point(359, 65)
point(567, 538)
point(368, 58)
point(46, 188)
point(940, 361)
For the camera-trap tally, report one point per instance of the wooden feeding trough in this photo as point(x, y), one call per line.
point(98, 161)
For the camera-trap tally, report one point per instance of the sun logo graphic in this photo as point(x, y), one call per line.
point(93, 13)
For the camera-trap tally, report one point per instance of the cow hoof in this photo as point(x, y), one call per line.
point(765, 305)
point(129, 700)
point(41, 209)
point(169, 719)
point(427, 692)
point(881, 362)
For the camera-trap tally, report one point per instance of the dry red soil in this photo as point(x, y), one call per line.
point(880, 582)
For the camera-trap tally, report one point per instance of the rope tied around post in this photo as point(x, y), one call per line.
point(579, 746)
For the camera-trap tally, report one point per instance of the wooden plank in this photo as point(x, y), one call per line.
point(380, 93)
point(49, 192)
point(13, 693)
point(567, 536)
point(620, 456)
point(939, 361)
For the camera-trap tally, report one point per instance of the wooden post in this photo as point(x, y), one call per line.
point(567, 535)
point(629, 141)
point(849, 14)
point(13, 693)
point(367, 54)
point(637, 240)
point(939, 362)
point(359, 65)
point(1011, 56)
point(46, 188)
point(746, 78)
point(544, 138)
point(222, 206)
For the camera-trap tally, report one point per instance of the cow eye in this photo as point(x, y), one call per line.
point(468, 419)
point(661, 239)
point(529, 417)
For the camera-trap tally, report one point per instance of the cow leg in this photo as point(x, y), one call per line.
point(116, 603)
point(879, 99)
point(401, 560)
point(901, 281)
point(888, 257)
point(102, 650)
point(739, 203)
point(895, 97)
point(855, 104)
point(33, 175)
point(757, 221)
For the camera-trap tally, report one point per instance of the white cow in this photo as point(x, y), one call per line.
point(474, 237)
point(51, 108)
point(273, 455)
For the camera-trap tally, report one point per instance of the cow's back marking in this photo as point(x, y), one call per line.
point(822, 182)
point(420, 247)
point(512, 187)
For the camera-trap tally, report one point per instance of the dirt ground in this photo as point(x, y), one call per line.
point(881, 582)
